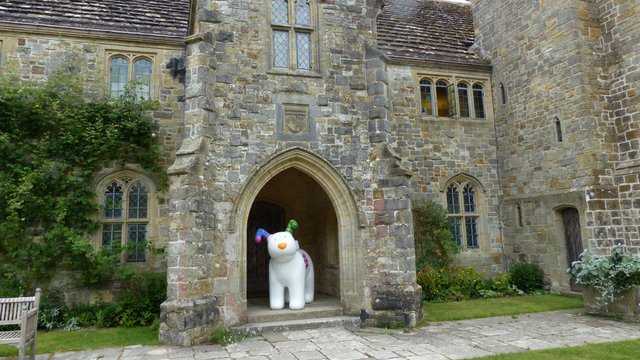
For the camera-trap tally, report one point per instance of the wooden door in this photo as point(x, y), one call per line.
point(271, 218)
point(573, 239)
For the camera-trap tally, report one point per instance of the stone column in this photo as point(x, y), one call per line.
point(191, 310)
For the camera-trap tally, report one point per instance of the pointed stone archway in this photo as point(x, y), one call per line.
point(343, 227)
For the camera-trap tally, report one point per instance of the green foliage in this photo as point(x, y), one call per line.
point(462, 283)
point(52, 310)
point(608, 274)
point(136, 303)
point(435, 245)
point(52, 141)
point(527, 277)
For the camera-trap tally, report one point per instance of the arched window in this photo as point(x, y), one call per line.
point(558, 128)
point(426, 96)
point(118, 76)
point(292, 31)
point(478, 101)
point(462, 211)
point(463, 99)
point(125, 216)
point(142, 77)
point(121, 74)
point(503, 93)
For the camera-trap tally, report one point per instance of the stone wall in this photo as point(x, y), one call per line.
point(435, 149)
point(620, 47)
point(36, 57)
point(557, 143)
point(238, 135)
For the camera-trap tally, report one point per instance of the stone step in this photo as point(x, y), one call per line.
point(310, 312)
point(252, 329)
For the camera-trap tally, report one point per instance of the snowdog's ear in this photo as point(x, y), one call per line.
point(261, 234)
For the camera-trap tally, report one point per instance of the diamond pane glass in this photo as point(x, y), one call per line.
point(136, 242)
point(111, 234)
point(113, 201)
point(471, 227)
point(280, 49)
point(453, 202)
point(118, 74)
point(142, 76)
point(303, 14)
point(138, 201)
point(303, 50)
point(456, 229)
point(280, 12)
point(469, 197)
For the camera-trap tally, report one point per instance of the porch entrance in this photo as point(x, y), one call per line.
point(292, 194)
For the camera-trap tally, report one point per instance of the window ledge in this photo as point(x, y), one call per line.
point(457, 119)
point(300, 73)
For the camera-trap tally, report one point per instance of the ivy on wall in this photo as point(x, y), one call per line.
point(52, 142)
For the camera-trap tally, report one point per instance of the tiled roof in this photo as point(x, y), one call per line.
point(427, 30)
point(167, 18)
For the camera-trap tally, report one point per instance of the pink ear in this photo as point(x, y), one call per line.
point(261, 234)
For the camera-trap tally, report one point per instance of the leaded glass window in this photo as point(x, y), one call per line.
point(463, 99)
point(478, 101)
point(292, 32)
point(142, 77)
point(118, 76)
point(125, 216)
point(136, 242)
point(303, 50)
point(303, 13)
point(113, 201)
point(280, 49)
point(426, 102)
point(462, 212)
point(279, 12)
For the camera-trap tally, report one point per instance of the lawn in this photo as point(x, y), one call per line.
point(480, 308)
point(86, 339)
point(609, 351)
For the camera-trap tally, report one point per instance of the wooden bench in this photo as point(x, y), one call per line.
point(21, 311)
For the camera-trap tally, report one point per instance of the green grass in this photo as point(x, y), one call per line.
point(480, 308)
point(86, 339)
point(609, 351)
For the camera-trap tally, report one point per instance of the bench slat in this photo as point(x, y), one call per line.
point(9, 337)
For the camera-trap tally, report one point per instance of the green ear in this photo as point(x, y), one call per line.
point(292, 226)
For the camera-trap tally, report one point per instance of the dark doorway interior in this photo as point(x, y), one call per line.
point(573, 239)
point(271, 217)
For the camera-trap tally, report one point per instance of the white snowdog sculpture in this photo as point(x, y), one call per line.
point(290, 268)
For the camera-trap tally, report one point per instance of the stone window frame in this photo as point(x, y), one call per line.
point(453, 96)
point(127, 179)
point(460, 181)
point(293, 29)
point(132, 57)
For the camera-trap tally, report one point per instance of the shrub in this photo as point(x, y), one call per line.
point(435, 245)
point(527, 277)
point(53, 310)
point(608, 274)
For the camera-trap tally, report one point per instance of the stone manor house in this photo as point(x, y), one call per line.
point(522, 118)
